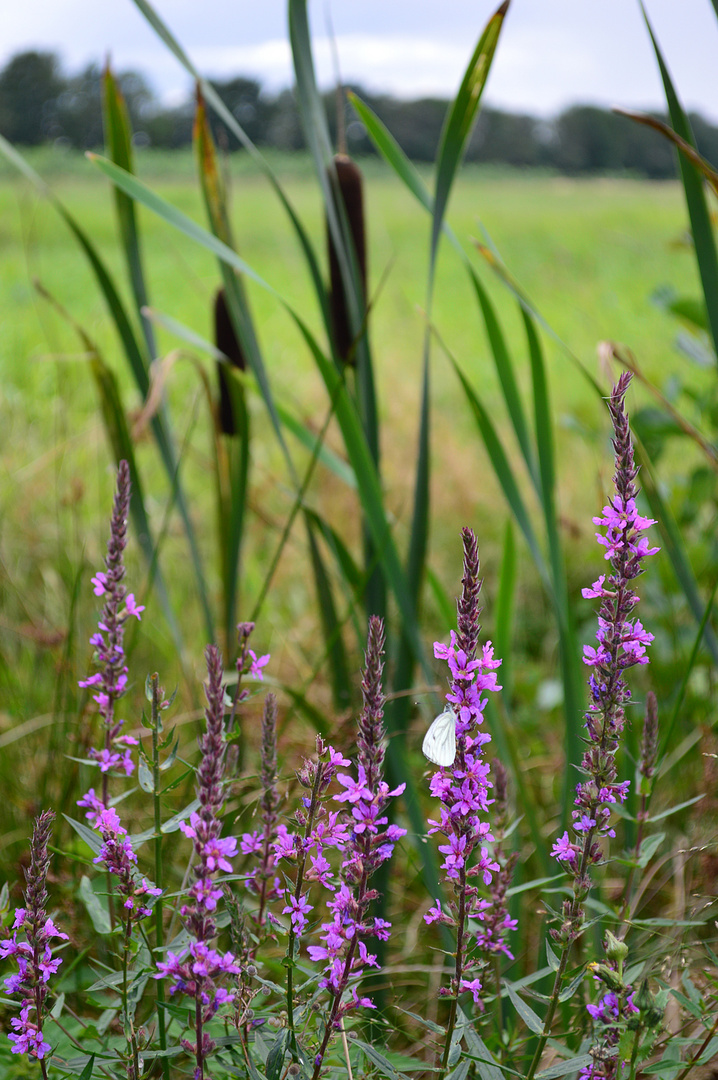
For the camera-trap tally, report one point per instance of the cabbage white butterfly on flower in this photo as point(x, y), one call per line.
point(439, 743)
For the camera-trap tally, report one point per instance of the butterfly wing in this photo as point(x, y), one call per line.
point(439, 744)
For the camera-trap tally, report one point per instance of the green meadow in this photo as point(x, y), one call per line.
point(589, 253)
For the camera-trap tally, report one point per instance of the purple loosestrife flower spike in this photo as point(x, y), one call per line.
point(110, 681)
point(371, 843)
point(197, 971)
point(622, 643)
point(33, 955)
point(462, 789)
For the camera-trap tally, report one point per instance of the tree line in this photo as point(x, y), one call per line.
point(40, 104)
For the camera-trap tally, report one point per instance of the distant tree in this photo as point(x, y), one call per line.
point(78, 112)
point(244, 99)
point(509, 138)
point(285, 130)
point(29, 87)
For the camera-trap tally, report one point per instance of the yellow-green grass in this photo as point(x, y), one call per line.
point(588, 252)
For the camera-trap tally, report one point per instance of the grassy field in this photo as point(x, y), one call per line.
point(588, 252)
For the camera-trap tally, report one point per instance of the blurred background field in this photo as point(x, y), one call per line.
point(589, 252)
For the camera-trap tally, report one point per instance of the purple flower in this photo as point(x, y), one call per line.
point(463, 787)
point(195, 972)
point(111, 679)
point(255, 668)
point(622, 643)
point(34, 954)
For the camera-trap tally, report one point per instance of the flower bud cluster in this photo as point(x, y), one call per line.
point(110, 681)
point(622, 643)
point(33, 952)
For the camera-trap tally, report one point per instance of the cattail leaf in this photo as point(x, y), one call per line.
point(460, 120)
point(571, 676)
point(340, 677)
point(302, 433)
point(136, 359)
point(504, 609)
point(698, 210)
point(505, 371)
point(118, 141)
point(675, 547)
point(229, 119)
point(504, 473)
point(392, 153)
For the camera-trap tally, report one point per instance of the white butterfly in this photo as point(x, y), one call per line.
point(439, 743)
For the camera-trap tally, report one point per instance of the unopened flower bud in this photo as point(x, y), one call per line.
point(616, 950)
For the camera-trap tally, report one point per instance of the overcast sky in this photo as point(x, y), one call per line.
point(552, 52)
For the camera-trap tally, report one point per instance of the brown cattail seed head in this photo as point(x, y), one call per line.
point(226, 341)
point(350, 189)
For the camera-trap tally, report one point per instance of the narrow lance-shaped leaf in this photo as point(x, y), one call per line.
point(118, 139)
point(698, 212)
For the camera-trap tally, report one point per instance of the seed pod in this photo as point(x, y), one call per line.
point(350, 184)
point(226, 341)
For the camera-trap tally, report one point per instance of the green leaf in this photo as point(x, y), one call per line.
point(95, 906)
point(118, 138)
point(552, 959)
point(85, 833)
point(460, 120)
point(698, 210)
point(504, 472)
point(384, 1066)
point(275, 1057)
point(172, 824)
point(533, 1022)
point(676, 809)
point(145, 778)
point(562, 1068)
point(568, 991)
point(331, 626)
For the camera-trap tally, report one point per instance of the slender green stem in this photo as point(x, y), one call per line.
point(634, 1054)
point(129, 1026)
point(458, 972)
point(297, 891)
point(701, 1049)
point(156, 724)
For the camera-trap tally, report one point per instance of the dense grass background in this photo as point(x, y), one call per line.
point(589, 253)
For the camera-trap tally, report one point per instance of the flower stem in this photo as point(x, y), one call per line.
point(156, 724)
point(297, 893)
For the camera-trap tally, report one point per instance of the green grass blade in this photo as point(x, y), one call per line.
point(570, 664)
point(120, 440)
point(134, 355)
point(460, 120)
point(174, 217)
point(698, 211)
point(212, 97)
point(505, 608)
point(674, 546)
point(505, 371)
point(340, 677)
point(314, 124)
point(504, 473)
point(292, 423)
point(118, 139)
